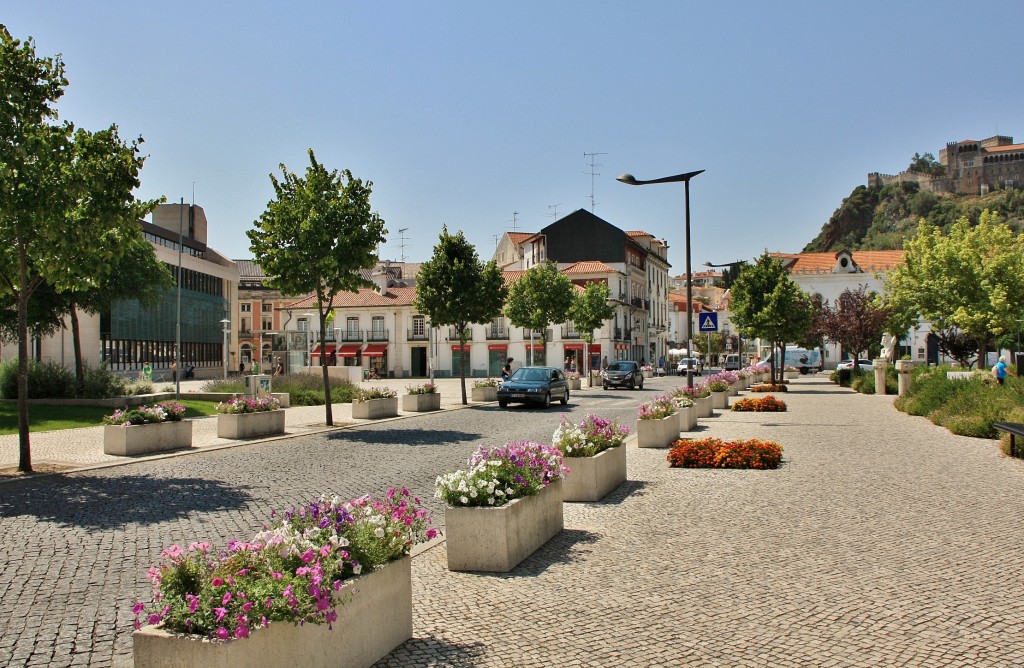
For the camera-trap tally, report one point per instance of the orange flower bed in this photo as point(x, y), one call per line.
point(768, 404)
point(768, 387)
point(718, 454)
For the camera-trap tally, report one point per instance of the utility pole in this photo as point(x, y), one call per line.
point(401, 240)
point(593, 166)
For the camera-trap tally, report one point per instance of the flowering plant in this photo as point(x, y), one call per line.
point(248, 405)
point(647, 367)
point(682, 396)
point(486, 382)
point(498, 475)
point(588, 438)
point(717, 386)
point(716, 453)
point(699, 391)
point(288, 571)
point(165, 411)
point(572, 375)
point(769, 387)
point(766, 404)
point(425, 388)
point(656, 409)
point(375, 393)
point(727, 377)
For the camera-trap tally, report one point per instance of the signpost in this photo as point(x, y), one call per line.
point(708, 322)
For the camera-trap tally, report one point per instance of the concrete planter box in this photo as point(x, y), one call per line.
point(687, 418)
point(704, 407)
point(648, 374)
point(375, 409)
point(657, 433)
point(141, 439)
point(250, 425)
point(574, 384)
point(485, 394)
point(790, 375)
point(377, 619)
point(420, 403)
point(591, 478)
point(720, 400)
point(495, 540)
point(734, 389)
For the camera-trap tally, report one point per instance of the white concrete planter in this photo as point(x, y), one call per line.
point(377, 619)
point(648, 374)
point(657, 433)
point(574, 384)
point(485, 394)
point(419, 403)
point(704, 407)
point(720, 400)
point(141, 439)
point(790, 375)
point(374, 409)
point(250, 425)
point(688, 418)
point(495, 540)
point(734, 389)
point(591, 478)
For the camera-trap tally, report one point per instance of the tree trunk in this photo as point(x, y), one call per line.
point(328, 411)
point(24, 449)
point(462, 362)
point(76, 342)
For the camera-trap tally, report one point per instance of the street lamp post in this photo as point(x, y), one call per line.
point(224, 324)
point(628, 179)
point(309, 340)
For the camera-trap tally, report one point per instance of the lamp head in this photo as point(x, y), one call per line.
point(628, 179)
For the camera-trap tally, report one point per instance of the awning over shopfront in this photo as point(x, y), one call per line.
point(573, 346)
point(349, 350)
point(326, 350)
point(535, 346)
point(375, 350)
point(497, 346)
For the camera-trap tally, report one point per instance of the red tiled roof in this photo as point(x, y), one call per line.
point(801, 263)
point(1001, 149)
point(519, 237)
point(364, 297)
point(639, 233)
point(588, 267)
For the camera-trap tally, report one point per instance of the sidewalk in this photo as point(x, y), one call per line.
point(73, 449)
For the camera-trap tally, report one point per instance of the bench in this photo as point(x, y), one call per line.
point(959, 375)
point(1014, 429)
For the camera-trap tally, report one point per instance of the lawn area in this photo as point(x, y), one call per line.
point(47, 417)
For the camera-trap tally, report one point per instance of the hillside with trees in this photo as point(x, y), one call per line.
point(883, 218)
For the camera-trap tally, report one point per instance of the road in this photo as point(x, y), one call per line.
point(75, 547)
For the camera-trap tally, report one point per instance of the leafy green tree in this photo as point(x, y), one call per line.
point(855, 321)
point(767, 303)
point(66, 203)
point(454, 288)
point(315, 236)
point(926, 164)
point(590, 310)
point(542, 295)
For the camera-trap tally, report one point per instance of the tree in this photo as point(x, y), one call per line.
point(315, 236)
point(589, 312)
point(926, 164)
point(855, 321)
point(454, 288)
point(542, 295)
point(767, 303)
point(66, 203)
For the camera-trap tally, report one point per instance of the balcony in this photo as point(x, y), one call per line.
point(376, 335)
point(352, 336)
point(453, 334)
point(417, 335)
point(496, 334)
point(637, 302)
point(536, 335)
point(245, 334)
point(570, 333)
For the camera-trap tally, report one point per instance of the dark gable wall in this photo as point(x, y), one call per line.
point(582, 236)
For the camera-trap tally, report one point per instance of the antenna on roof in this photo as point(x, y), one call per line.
point(515, 221)
point(496, 237)
point(402, 239)
point(592, 175)
point(554, 210)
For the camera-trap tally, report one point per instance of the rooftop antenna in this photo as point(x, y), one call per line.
point(554, 210)
point(401, 240)
point(592, 173)
point(496, 238)
point(515, 221)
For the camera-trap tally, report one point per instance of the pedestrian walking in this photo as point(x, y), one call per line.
point(506, 370)
point(999, 370)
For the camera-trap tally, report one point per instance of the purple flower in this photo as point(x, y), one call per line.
point(138, 608)
point(220, 612)
point(222, 633)
point(217, 582)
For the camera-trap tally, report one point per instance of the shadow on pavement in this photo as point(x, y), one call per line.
point(441, 652)
point(106, 502)
point(404, 437)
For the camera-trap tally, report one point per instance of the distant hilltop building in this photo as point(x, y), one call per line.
point(972, 167)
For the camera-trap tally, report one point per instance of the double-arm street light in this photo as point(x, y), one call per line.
point(685, 179)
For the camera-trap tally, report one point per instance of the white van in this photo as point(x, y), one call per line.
point(806, 361)
point(732, 363)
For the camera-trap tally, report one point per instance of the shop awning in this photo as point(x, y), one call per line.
point(327, 350)
point(573, 346)
point(497, 346)
point(535, 346)
point(349, 350)
point(375, 350)
point(594, 348)
point(456, 346)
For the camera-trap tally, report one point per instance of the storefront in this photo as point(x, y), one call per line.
point(496, 356)
point(622, 351)
point(457, 353)
point(573, 357)
point(539, 356)
point(378, 356)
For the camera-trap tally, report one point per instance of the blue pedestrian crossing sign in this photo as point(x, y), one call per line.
point(708, 322)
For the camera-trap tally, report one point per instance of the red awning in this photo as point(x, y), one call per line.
point(458, 347)
point(497, 346)
point(328, 349)
point(594, 348)
point(535, 346)
point(573, 346)
point(375, 350)
point(349, 350)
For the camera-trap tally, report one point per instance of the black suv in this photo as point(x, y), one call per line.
point(623, 374)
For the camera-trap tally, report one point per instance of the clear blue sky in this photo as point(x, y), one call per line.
point(462, 113)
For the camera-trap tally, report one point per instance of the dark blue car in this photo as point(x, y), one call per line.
point(536, 385)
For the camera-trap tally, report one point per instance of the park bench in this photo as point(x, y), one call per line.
point(1014, 429)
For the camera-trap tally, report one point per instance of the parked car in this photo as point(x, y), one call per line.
point(623, 373)
point(534, 384)
point(863, 365)
point(689, 363)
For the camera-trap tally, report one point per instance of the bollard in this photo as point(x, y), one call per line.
point(880, 365)
point(903, 369)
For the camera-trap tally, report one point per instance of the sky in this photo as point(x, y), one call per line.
point(490, 117)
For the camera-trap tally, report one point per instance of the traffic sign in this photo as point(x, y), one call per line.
point(708, 322)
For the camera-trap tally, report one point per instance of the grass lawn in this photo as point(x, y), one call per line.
point(45, 417)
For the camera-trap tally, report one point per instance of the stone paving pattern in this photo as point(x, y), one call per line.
point(882, 540)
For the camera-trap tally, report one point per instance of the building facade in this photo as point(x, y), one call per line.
point(972, 167)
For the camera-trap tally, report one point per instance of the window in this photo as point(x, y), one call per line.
point(268, 324)
point(245, 307)
point(419, 325)
point(352, 325)
point(377, 325)
point(268, 308)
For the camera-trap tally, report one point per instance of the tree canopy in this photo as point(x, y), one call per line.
point(455, 288)
point(590, 310)
point(855, 321)
point(542, 295)
point(315, 236)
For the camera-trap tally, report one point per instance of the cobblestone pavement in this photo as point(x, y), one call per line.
point(882, 540)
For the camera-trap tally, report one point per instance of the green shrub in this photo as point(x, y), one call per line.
point(965, 407)
point(46, 380)
point(302, 397)
point(102, 383)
